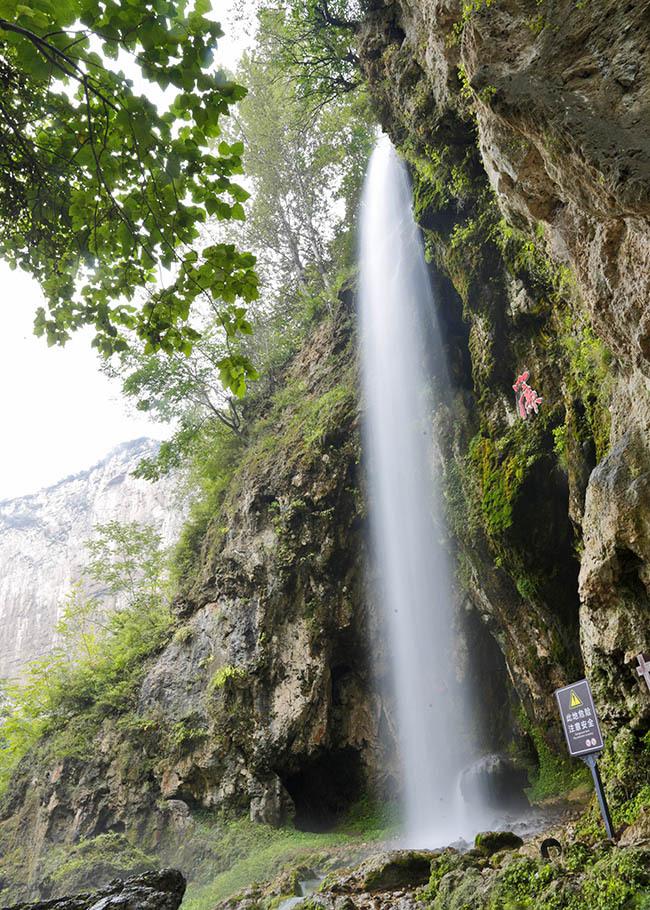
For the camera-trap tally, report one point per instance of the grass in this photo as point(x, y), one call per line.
point(257, 853)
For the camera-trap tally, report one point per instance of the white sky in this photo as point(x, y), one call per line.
point(58, 413)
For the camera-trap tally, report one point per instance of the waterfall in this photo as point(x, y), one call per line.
point(400, 347)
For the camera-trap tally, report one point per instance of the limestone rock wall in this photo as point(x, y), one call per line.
point(526, 126)
point(262, 702)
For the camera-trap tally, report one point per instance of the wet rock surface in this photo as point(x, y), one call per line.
point(262, 701)
point(513, 875)
point(162, 890)
point(521, 116)
point(392, 871)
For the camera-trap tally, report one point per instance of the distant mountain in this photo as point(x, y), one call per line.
point(42, 540)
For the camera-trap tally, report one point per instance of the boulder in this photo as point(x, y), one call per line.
point(162, 890)
point(489, 842)
point(396, 870)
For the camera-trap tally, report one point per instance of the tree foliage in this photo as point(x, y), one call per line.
point(98, 661)
point(190, 391)
point(105, 180)
point(315, 41)
point(305, 166)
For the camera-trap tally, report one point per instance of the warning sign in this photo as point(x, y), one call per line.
point(574, 701)
point(579, 718)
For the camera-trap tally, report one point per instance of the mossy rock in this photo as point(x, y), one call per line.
point(489, 842)
point(95, 862)
point(396, 871)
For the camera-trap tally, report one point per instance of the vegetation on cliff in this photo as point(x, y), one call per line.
point(98, 664)
point(250, 693)
point(86, 708)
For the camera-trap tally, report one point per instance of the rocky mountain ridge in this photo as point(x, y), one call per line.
point(42, 538)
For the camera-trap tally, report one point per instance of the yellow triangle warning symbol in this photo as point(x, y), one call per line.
point(575, 701)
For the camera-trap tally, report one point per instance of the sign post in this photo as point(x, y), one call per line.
point(592, 763)
point(583, 736)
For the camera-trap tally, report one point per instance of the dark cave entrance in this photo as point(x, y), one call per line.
point(499, 776)
point(494, 698)
point(324, 788)
point(541, 521)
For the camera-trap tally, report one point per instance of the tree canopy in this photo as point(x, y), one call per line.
point(305, 162)
point(105, 179)
point(314, 41)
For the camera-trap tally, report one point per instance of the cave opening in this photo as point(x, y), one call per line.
point(495, 701)
point(499, 776)
point(323, 788)
point(541, 516)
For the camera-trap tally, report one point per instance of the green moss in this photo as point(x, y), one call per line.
point(554, 775)
point(247, 853)
point(468, 254)
point(625, 769)
point(186, 733)
point(501, 466)
point(68, 869)
point(616, 880)
point(298, 426)
point(408, 869)
point(527, 586)
point(442, 175)
point(217, 454)
point(99, 857)
point(462, 499)
point(367, 817)
point(489, 842)
point(448, 861)
point(560, 444)
point(589, 378)
point(500, 478)
point(585, 363)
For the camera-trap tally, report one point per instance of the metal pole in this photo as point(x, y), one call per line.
point(592, 762)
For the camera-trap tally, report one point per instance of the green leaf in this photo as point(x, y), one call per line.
point(112, 188)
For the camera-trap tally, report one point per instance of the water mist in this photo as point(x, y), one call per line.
point(400, 342)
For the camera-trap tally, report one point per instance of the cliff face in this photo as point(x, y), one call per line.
point(42, 539)
point(526, 125)
point(262, 701)
point(272, 661)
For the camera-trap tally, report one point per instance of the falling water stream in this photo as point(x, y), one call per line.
point(400, 348)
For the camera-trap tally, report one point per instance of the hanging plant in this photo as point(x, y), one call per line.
point(527, 399)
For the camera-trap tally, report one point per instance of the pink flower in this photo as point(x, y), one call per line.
point(521, 380)
point(528, 401)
